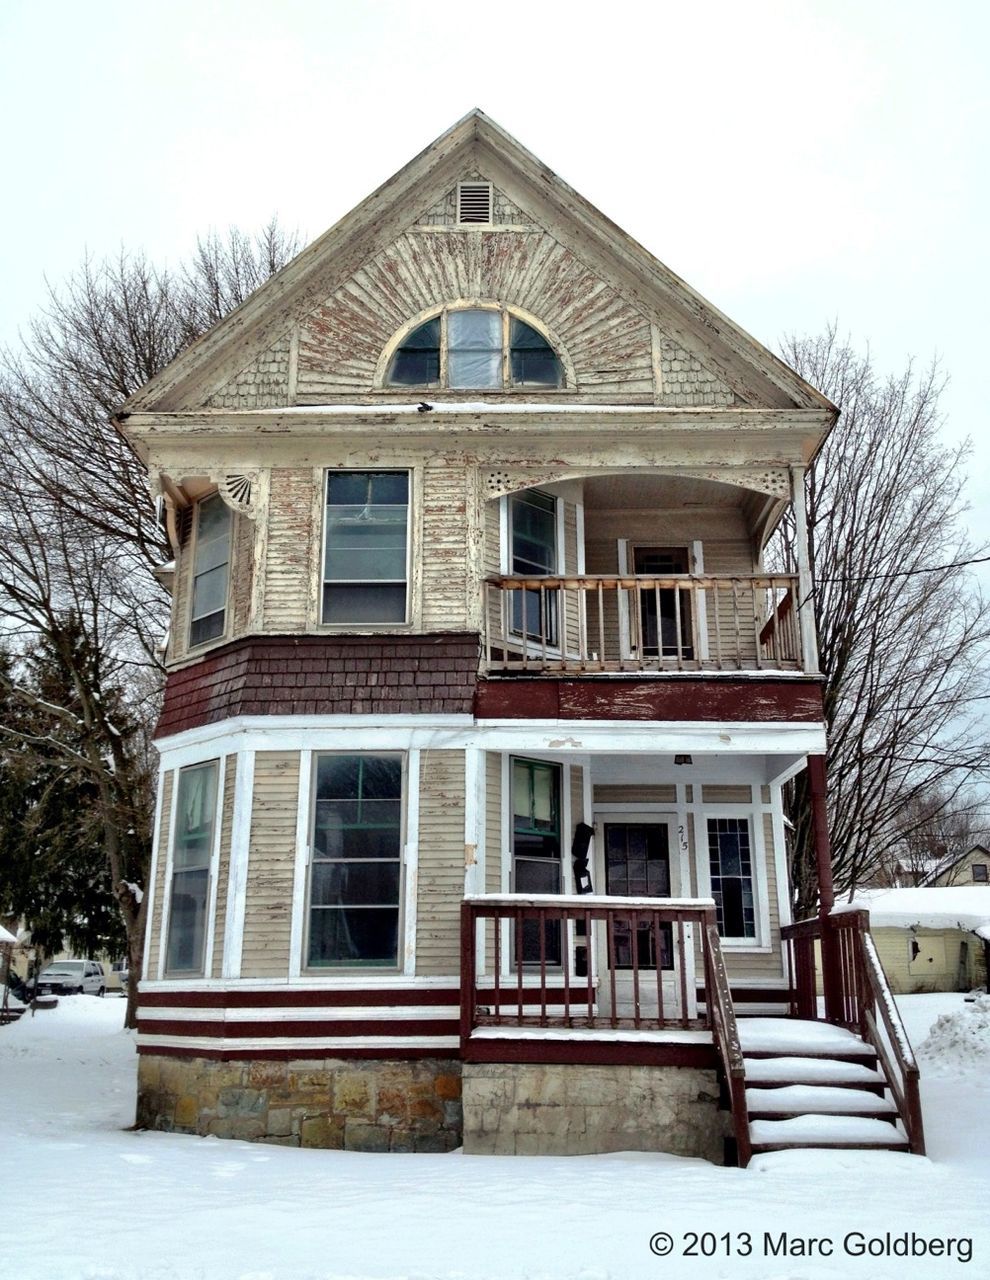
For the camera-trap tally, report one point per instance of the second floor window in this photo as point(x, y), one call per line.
point(211, 570)
point(365, 552)
point(475, 348)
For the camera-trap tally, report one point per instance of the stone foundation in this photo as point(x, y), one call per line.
point(327, 1102)
point(523, 1109)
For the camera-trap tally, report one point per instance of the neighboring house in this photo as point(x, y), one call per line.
point(480, 698)
point(973, 867)
point(929, 939)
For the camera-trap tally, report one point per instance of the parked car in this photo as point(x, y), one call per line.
point(65, 977)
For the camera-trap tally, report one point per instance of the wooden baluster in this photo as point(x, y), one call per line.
point(469, 979)
point(519, 964)
point(497, 922)
point(658, 953)
point(679, 927)
point(541, 917)
point(735, 623)
point(717, 605)
point(660, 654)
point(590, 967)
point(565, 955)
point(678, 639)
point(601, 628)
point(610, 936)
point(634, 932)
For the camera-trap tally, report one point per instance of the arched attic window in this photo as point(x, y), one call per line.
point(475, 348)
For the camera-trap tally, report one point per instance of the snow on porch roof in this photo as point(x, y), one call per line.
point(6, 937)
point(965, 907)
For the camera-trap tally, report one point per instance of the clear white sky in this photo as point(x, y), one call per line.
point(795, 162)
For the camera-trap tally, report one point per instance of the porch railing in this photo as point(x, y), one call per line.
point(637, 622)
point(558, 961)
point(863, 1001)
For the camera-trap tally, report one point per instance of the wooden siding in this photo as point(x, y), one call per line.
point(894, 948)
point(493, 822)
point(271, 862)
point(639, 793)
point(164, 832)
point(723, 793)
point(443, 213)
point(242, 574)
point(608, 340)
point(262, 384)
point(441, 863)
point(444, 584)
point(288, 568)
point(743, 966)
point(223, 869)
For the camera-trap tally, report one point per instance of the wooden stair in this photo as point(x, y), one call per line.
point(815, 1085)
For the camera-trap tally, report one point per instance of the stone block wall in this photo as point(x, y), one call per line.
point(524, 1109)
point(343, 1104)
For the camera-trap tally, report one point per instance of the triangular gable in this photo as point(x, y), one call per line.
point(691, 337)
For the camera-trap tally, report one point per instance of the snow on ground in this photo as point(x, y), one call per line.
point(85, 1198)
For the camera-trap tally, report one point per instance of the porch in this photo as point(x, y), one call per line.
point(640, 623)
point(580, 981)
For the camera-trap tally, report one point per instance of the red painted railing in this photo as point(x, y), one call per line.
point(543, 957)
point(864, 1002)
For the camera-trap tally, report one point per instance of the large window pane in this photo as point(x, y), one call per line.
point(731, 871)
point(532, 359)
point(356, 871)
point(536, 865)
point(192, 850)
point(474, 349)
point(533, 526)
point(366, 547)
point(417, 361)
point(211, 570)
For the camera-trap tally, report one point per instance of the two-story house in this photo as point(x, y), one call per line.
point(480, 699)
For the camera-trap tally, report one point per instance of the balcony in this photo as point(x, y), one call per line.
point(637, 623)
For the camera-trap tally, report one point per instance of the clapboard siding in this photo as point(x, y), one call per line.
point(639, 793)
point(223, 868)
point(242, 575)
point(742, 965)
point(607, 340)
point(289, 552)
point(164, 832)
point(493, 822)
point(441, 863)
point(271, 861)
point(444, 564)
point(726, 794)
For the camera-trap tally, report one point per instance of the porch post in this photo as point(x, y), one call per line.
point(831, 964)
point(805, 587)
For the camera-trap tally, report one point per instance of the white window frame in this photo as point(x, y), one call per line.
point(305, 859)
point(213, 874)
point(523, 643)
point(753, 814)
point(193, 554)
point(412, 506)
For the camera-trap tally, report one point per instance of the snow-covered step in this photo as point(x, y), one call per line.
point(830, 1071)
point(806, 1099)
point(793, 1036)
point(826, 1131)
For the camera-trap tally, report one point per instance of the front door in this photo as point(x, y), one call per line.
point(639, 967)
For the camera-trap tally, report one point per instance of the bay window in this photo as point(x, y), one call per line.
point(356, 865)
point(192, 852)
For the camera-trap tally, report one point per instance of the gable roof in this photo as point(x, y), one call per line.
point(474, 142)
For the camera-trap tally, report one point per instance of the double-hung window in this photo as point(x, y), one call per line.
point(730, 858)
point(366, 547)
point(211, 570)
point(356, 867)
point(192, 852)
point(533, 553)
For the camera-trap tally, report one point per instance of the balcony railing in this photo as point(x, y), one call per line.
point(624, 968)
point(636, 622)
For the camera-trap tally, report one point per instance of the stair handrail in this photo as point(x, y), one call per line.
point(725, 1033)
point(904, 1084)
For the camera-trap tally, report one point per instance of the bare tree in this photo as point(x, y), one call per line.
point(934, 830)
point(903, 630)
point(78, 533)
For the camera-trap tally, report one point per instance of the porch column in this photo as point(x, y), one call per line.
point(805, 586)
point(831, 971)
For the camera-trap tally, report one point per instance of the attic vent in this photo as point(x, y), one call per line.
point(474, 202)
